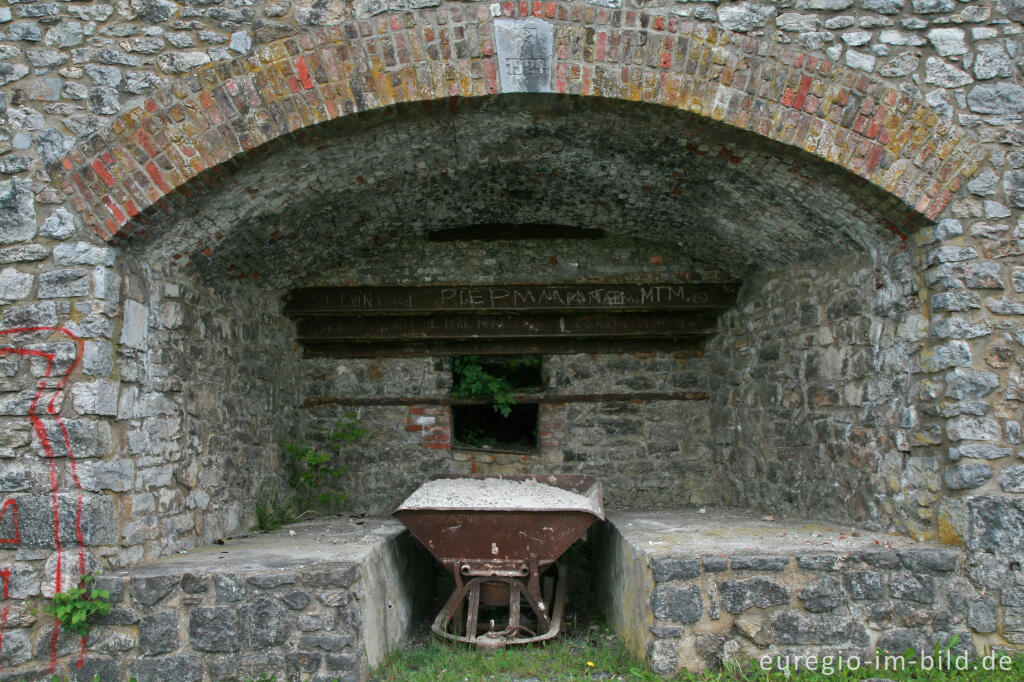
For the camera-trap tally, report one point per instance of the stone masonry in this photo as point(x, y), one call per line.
point(171, 169)
point(803, 590)
point(324, 602)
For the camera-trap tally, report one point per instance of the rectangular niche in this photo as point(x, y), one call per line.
point(482, 416)
point(479, 427)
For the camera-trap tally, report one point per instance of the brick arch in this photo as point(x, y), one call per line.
point(155, 156)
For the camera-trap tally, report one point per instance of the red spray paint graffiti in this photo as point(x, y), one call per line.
point(5, 576)
point(13, 506)
point(39, 427)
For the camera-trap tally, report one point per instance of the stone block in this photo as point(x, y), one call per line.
point(271, 580)
point(1011, 480)
point(98, 358)
point(983, 614)
point(60, 224)
point(822, 595)
point(296, 599)
point(819, 562)
point(914, 587)
point(740, 595)
point(667, 631)
point(525, 50)
point(194, 584)
point(996, 98)
point(17, 210)
point(864, 585)
point(966, 476)
point(33, 315)
point(312, 622)
point(745, 16)
point(14, 285)
point(93, 668)
point(135, 325)
point(973, 428)
point(676, 604)
point(265, 623)
point(106, 640)
point(229, 588)
point(95, 397)
point(758, 562)
point(663, 657)
point(794, 627)
point(665, 568)
point(326, 642)
point(964, 383)
point(66, 643)
point(245, 666)
point(333, 598)
point(116, 475)
point(158, 633)
point(332, 575)
point(303, 661)
point(342, 662)
point(119, 616)
point(213, 628)
point(149, 590)
point(978, 451)
point(15, 648)
point(36, 518)
point(182, 668)
point(65, 283)
point(995, 524)
point(920, 560)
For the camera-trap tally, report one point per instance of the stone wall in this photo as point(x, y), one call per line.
point(731, 140)
point(274, 604)
point(647, 453)
point(208, 387)
point(165, 443)
point(811, 378)
point(803, 590)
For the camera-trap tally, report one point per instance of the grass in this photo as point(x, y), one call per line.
point(592, 653)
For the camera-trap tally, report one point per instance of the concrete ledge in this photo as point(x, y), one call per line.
point(321, 600)
point(685, 589)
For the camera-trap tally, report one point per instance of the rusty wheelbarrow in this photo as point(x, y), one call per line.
point(498, 536)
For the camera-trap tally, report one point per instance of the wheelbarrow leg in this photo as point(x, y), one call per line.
point(514, 600)
point(473, 609)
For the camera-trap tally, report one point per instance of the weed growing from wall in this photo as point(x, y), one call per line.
point(314, 479)
point(74, 608)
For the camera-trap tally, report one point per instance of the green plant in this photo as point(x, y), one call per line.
point(271, 515)
point(473, 380)
point(590, 651)
point(477, 437)
point(75, 607)
point(313, 476)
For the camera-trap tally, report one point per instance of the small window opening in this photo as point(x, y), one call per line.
point(479, 426)
point(491, 413)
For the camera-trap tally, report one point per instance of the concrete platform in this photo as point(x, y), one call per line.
point(321, 600)
point(689, 590)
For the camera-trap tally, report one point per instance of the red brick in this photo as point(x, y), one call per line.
point(115, 211)
point(157, 177)
point(103, 173)
point(303, 72)
point(801, 94)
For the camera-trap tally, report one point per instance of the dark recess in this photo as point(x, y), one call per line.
point(479, 426)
